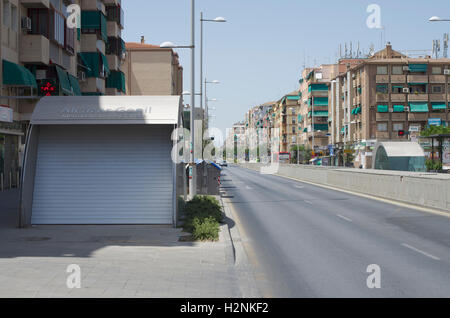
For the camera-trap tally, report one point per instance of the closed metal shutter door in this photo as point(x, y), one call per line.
point(104, 174)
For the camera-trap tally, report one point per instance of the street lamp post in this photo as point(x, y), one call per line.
point(192, 170)
point(217, 20)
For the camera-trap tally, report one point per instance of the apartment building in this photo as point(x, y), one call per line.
point(313, 116)
point(151, 70)
point(258, 123)
point(388, 96)
point(41, 56)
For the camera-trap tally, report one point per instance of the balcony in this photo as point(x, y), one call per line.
point(417, 78)
point(113, 62)
point(398, 116)
point(382, 116)
point(398, 79)
point(437, 97)
point(417, 116)
point(398, 98)
point(384, 135)
point(382, 97)
point(35, 3)
point(319, 93)
point(437, 79)
point(382, 79)
point(113, 29)
point(418, 97)
point(34, 48)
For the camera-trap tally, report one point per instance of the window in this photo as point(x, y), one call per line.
point(437, 89)
point(397, 126)
point(293, 130)
point(58, 28)
point(382, 127)
point(435, 70)
point(40, 23)
point(418, 88)
point(6, 13)
point(14, 18)
point(397, 89)
point(293, 121)
point(397, 70)
point(382, 70)
point(382, 89)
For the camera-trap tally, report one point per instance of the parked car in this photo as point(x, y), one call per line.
point(224, 164)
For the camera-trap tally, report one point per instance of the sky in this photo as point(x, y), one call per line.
point(259, 53)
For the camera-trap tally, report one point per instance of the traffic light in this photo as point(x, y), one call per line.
point(401, 133)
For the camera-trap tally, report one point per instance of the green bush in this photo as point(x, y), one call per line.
point(203, 216)
point(433, 165)
point(205, 229)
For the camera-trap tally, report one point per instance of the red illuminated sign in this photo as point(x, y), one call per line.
point(48, 89)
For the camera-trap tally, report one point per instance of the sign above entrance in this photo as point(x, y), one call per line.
point(78, 110)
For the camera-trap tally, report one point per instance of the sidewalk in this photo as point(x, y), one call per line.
point(115, 261)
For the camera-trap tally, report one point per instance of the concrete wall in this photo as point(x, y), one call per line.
point(423, 189)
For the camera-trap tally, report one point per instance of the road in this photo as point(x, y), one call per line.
point(307, 241)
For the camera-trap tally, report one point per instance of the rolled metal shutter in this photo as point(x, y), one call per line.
point(104, 174)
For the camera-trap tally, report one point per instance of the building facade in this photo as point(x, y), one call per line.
point(42, 56)
point(151, 70)
point(388, 97)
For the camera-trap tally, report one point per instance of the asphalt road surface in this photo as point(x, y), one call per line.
point(307, 241)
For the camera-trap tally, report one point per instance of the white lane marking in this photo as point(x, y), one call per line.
point(344, 218)
point(421, 252)
point(300, 187)
point(248, 188)
point(309, 202)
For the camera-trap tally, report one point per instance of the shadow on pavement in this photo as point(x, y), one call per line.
point(75, 240)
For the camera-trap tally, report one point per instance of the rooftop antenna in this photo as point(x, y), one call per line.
point(351, 49)
point(371, 50)
point(340, 51)
point(436, 48)
point(358, 52)
point(445, 45)
point(346, 54)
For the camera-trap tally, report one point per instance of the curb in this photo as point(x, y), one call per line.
point(229, 237)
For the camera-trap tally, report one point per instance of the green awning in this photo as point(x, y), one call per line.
point(383, 108)
point(438, 106)
point(116, 80)
point(92, 61)
point(95, 20)
point(299, 118)
point(64, 82)
point(305, 130)
point(293, 97)
point(356, 111)
point(75, 85)
point(418, 68)
point(105, 64)
point(399, 108)
point(17, 75)
point(323, 127)
point(418, 107)
point(320, 113)
point(92, 94)
point(320, 101)
point(317, 87)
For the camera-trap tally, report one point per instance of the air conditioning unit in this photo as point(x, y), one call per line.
point(82, 76)
point(391, 110)
point(406, 90)
point(407, 109)
point(406, 68)
point(26, 23)
point(447, 72)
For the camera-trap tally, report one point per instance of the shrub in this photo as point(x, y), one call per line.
point(203, 217)
point(205, 229)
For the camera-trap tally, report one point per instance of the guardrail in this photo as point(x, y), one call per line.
point(422, 189)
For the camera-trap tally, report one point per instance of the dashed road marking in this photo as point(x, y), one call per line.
point(309, 202)
point(344, 218)
point(421, 252)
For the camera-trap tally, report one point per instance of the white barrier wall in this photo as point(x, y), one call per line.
point(423, 189)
